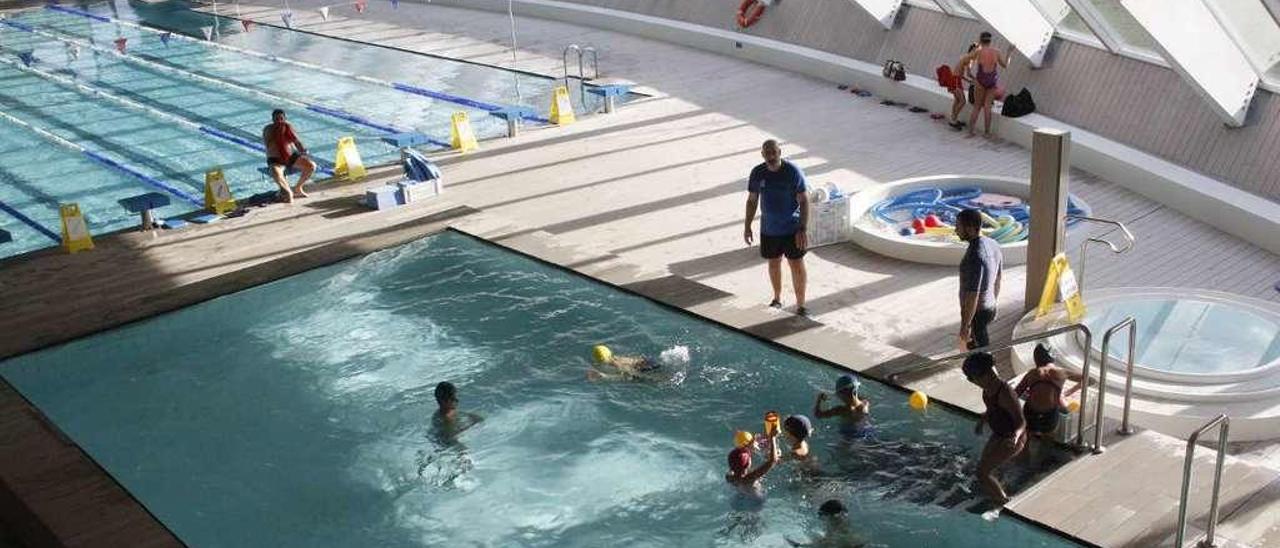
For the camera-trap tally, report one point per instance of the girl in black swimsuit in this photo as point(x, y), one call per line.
point(1004, 415)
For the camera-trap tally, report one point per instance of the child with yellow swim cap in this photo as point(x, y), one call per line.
point(623, 368)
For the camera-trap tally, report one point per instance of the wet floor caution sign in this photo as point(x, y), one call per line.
point(463, 137)
point(348, 164)
point(561, 107)
point(217, 195)
point(1061, 282)
point(75, 232)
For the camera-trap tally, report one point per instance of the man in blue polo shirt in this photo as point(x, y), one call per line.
point(784, 215)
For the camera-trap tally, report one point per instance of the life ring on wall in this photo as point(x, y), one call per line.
point(749, 11)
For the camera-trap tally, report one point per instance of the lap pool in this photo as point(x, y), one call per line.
point(298, 413)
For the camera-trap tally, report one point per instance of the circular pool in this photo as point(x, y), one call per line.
point(1197, 354)
point(911, 219)
point(1201, 337)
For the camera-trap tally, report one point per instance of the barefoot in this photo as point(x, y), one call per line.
point(300, 192)
point(286, 196)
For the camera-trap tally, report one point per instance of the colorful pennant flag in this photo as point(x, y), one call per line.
point(287, 17)
point(395, 4)
point(73, 51)
point(27, 57)
point(248, 25)
point(164, 38)
point(324, 13)
point(361, 5)
point(208, 33)
point(120, 44)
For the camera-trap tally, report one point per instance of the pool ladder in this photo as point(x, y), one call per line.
point(1085, 369)
point(582, 52)
point(1224, 422)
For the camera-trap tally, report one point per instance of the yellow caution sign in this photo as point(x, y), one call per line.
point(75, 233)
point(1061, 282)
point(561, 107)
point(348, 163)
point(217, 195)
point(463, 138)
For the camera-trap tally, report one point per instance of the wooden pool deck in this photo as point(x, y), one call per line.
point(648, 199)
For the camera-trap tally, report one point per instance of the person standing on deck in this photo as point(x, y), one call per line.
point(986, 78)
point(285, 151)
point(784, 217)
point(981, 271)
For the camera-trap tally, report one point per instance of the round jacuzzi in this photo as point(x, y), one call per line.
point(912, 219)
point(1197, 354)
point(1201, 337)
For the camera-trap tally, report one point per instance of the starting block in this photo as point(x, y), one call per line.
point(610, 93)
point(404, 140)
point(513, 115)
point(381, 197)
point(143, 204)
point(410, 191)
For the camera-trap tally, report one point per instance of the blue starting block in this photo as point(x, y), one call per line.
point(404, 140)
point(513, 114)
point(381, 197)
point(143, 204)
point(5, 237)
point(610, 93)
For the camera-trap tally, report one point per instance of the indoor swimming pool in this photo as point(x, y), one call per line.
point(105, 101)
point(299, 413)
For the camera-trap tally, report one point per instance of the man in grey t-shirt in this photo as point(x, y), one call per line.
point(980, 273)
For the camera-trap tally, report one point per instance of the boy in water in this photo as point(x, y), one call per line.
point(852, 410)
point(1004, 416)
point(448, 422)
point(837, 533)
point(621, 368)
point(798, 429)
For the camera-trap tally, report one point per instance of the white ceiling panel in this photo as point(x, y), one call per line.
point(1020, 21)
point(1204, 54)
point(883, 10)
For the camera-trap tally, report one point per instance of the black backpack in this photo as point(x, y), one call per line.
point(1018, 105)
point(894, 70)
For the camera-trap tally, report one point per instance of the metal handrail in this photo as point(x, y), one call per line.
point(1128, 244)
point(595, 63)
point(564, 58)
point(1132, 324)
point(1225, 422)
point(1084, 368)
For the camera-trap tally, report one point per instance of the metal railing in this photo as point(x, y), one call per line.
point(1126, 246)
point(582, 52)
point(929, 363)
point(1132, 325)
point(1225, 422)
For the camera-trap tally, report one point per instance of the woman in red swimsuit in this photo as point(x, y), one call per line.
point(989, 61)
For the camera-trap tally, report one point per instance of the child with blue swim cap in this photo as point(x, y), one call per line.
point(853, 411)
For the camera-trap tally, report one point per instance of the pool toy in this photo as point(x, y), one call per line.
point(1006, 218)
point(904, 231)
point(602, 353)
point(1073, 406)
point(742, 438)
point(918, 400)
point(771, 423)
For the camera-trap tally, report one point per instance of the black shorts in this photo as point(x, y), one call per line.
point(1040, 422)
point(293, 159)
point(772, 247)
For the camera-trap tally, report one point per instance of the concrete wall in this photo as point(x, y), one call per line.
point(1142, 105)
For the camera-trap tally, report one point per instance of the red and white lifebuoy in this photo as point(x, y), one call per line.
point(749, 11)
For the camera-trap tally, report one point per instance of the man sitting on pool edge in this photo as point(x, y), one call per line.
point(286, 151)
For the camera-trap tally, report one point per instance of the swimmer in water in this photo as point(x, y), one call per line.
point(448, 422)
point(621, 368)
point(837, 532)
point(798, 429)
point(854, 412)
point(740, 474)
